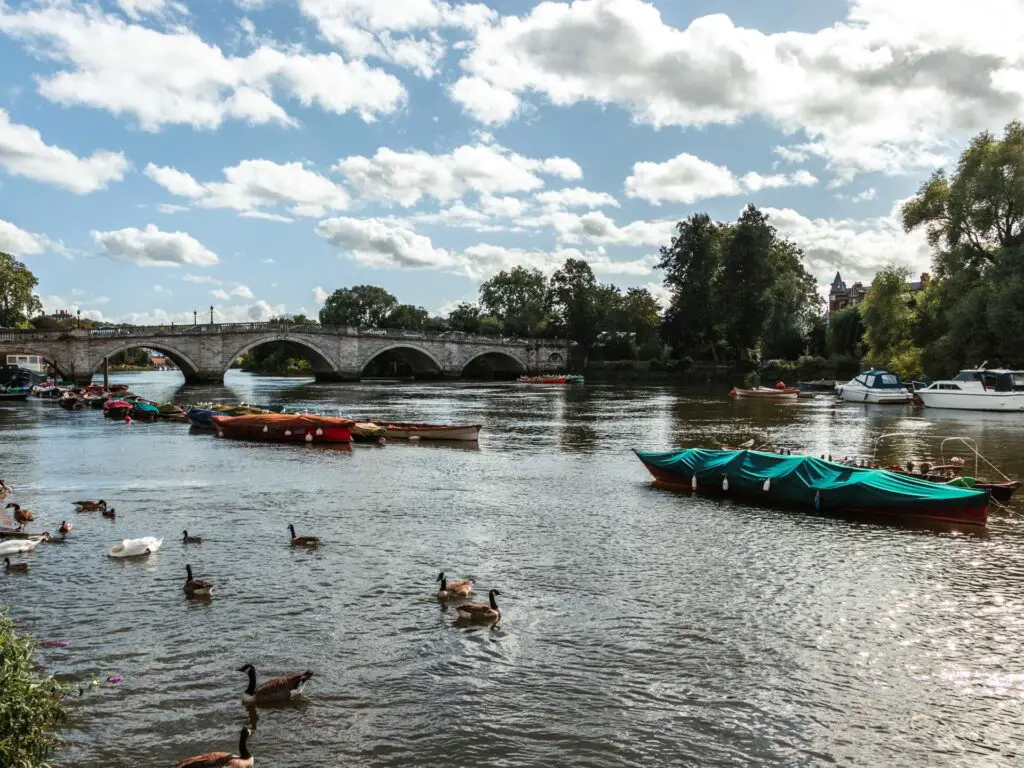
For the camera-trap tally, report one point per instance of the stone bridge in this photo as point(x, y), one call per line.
point(204, 353)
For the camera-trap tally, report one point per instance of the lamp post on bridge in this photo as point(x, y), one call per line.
point(195, 317)
point(211, 314)
point(79, 321)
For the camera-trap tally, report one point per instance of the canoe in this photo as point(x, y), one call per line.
point(813, 485)
point(766, 393)
point(404, 430)
point(71, 402)
point(15, 393)
point(284, 428)
point(145, 412)
point(820, 385)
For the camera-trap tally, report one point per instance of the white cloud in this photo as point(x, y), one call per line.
point(858, 248)
point(255, 184)
point(200, 279)
point(378, 243)
point(175, 78)
point(136, 8)
point(160, 289)
point(18, 242)
point(150, 247)
point(661, 294)
point(407, 177)
point(320, 295)
point(171, 208)
point(382, 30)
point(384, 244)
point(886, 89)
point(24, 153)
point(258, 311)
point(687, 178)
point(596, 227)
point(575, 197)
point(242, 292)
point(220, 294)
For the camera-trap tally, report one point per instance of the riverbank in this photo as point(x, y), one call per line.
point(687, 372)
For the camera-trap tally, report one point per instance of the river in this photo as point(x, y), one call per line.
point(640, 627)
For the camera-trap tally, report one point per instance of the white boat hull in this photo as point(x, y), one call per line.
point(468, 433)
point(875, 396)
point(973, 401)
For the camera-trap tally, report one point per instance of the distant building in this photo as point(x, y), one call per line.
point(161, 363)
point(61, 314)
point(840, 297)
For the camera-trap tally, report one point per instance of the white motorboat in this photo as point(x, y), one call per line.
point(876, 386)
point(978, 389)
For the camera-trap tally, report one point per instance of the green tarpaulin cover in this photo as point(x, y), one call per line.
point(803, 480)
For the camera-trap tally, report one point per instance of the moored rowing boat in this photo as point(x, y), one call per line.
point(284, 428)
point(806, 483)
point(766, 393)
point(404, 430)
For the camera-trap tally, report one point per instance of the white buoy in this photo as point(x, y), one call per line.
point(219, 433)
point(767, 485)
point(287, 433)
point(265, 429)
point(725, 483)
point(319, 432)
point(693, 483)
point(309, 437)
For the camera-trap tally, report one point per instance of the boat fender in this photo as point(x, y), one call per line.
point(319, 432)
point(817, 500)
point(309, 437)
point(767, 485)
point(265, 429)
point(287, 433)
point(725, 482)
point(693, 483)
point(219, 433)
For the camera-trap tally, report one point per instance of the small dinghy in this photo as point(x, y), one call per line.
point(136, 547)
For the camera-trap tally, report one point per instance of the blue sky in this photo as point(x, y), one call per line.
point(160, 156)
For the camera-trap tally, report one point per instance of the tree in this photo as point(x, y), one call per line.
point(490, 326)
point(583, 307)
point(744, 280)
point(17, 302)
point(794, 306)
point(465, 318)
point(406, 317)
point(360, 305)
point(692, 264)
point(845, 334)
point(639, 314)
point(519, 298)
point(888, 315)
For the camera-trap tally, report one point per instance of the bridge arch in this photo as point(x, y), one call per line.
point(493, 362)
point(418, 358)
point(318, 359)
point(185, 363)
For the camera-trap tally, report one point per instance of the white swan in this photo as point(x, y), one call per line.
point(136, 547)
point(14, 546)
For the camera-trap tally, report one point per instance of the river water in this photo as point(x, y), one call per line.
point(640, 628)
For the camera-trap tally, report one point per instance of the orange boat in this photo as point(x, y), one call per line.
point(284, 428)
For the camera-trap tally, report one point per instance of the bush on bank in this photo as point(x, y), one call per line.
point(30, 702)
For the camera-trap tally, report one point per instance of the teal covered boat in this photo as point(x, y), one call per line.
point(807, 483)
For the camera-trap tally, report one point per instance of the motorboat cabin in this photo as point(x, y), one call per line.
point(978, 389)
point(875, 386)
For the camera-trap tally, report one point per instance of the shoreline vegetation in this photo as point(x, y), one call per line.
point(31, 703)
point(741, 304)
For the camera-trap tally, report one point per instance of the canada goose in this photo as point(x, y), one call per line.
point(223, 759)
point(110, 513)
point(303, 541)
point(16, 567)
point(186, 539)
point(481, 611)
point(21, 516)
point(90, 505)
point(273, 690)
point(4, 489)
point(65, 528)
point(449, 589)
point(196, 587)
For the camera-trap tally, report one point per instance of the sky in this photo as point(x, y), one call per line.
point(158, 157)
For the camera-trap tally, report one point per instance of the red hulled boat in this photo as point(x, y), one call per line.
point(284, 428)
